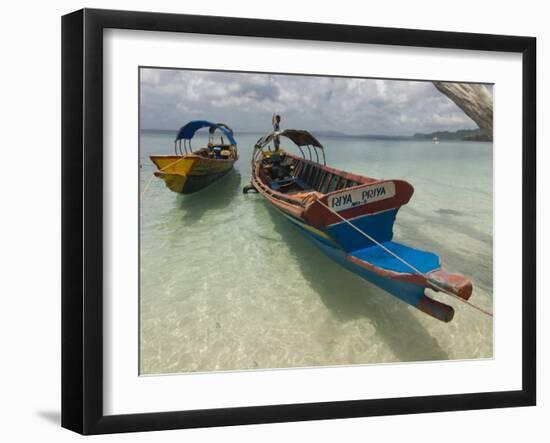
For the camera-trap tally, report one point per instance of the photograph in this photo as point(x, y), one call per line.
point(298, 221)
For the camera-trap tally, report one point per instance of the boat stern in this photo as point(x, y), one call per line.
point(407, 272)
point(174, 170)
point(173, 164)
point(451, 282)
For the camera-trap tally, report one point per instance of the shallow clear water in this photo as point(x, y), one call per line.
point(228, 284)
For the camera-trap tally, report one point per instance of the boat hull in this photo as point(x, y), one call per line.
point(350, 218)
point(410, 292)
point(337, 222)
point(190, 173)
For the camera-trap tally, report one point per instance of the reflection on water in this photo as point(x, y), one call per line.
point(214, 197)
point(229, 284)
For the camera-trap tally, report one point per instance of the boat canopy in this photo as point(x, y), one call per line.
point(300, 137)
point(188, 131)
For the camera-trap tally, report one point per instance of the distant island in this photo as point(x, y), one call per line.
point(477, 135)
point(325, 133)
point(461, 134)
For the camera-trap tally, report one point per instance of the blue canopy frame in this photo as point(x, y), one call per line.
point(188, 131)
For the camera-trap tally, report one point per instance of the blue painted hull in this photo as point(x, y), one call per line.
point(407, 292)
point(410, 293)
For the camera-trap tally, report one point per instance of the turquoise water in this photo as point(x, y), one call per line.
point(229, 284)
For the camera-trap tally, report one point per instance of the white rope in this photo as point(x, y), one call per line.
point(406, 263)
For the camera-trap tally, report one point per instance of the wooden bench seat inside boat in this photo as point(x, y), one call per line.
point(319, 178)
point(279, 185)
point(289, 174)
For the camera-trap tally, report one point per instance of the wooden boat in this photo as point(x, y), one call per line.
point(350, 217)
point(191, 170)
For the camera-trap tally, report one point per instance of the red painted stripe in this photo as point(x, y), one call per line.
point(452, 282)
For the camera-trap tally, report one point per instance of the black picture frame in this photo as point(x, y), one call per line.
point(82, 220)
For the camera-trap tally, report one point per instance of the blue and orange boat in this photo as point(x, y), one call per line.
point(191, 170)
point(350, 217)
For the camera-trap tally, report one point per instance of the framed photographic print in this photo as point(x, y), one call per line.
point(269, 221)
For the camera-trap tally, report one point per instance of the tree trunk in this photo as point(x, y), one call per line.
point(475, 100)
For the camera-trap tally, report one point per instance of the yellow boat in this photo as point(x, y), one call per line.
point(191, 170)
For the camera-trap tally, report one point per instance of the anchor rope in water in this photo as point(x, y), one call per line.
point(153, 176)
point(406, 263)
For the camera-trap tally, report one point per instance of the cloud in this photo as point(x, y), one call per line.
point(246, 101)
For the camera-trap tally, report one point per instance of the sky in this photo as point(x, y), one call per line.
point(246, 101)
